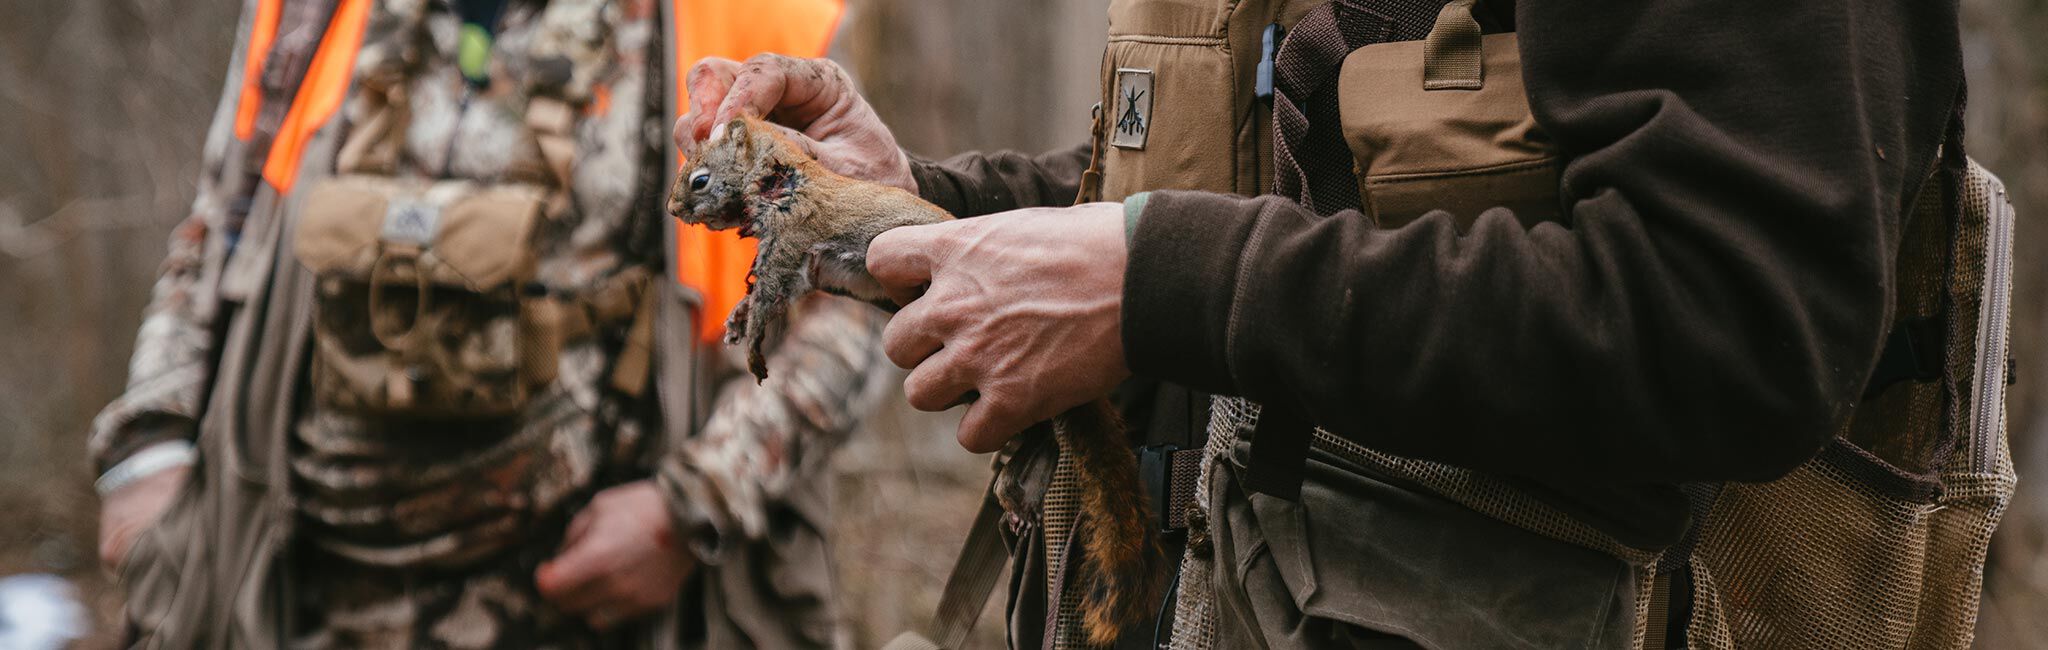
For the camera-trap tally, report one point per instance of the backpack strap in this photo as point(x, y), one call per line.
point(1314, 165)
point(981, 564)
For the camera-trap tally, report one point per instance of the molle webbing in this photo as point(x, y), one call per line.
point(1311, 160)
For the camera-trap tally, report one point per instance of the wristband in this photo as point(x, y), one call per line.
point(1134, 206)
point(152, 459)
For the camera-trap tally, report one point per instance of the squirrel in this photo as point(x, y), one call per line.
point(814, 227)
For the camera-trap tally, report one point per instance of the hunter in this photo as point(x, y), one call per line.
point(427, 366)
point(1474, 306)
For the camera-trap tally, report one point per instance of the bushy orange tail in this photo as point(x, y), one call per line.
point(1122, 569)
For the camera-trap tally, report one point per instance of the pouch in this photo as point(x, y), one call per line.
point(422, 304)
point(1444, 123)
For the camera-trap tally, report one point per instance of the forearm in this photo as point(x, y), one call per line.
point(761, 440)
point(973, 184)
point(171, 364)
point(1710, 309)
point(168, 373)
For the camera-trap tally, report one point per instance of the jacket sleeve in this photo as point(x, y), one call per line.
point(975, 183)
point(762, 439)
point(171, 365)
point(1736, 176)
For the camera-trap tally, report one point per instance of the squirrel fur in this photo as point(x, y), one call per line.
point(814, 227)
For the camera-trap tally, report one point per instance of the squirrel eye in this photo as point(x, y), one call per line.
point(700, 179)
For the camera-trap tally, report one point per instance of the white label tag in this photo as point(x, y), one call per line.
point(411, 222)
point(1131, 116)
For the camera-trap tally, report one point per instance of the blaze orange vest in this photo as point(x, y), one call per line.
point(714, 264)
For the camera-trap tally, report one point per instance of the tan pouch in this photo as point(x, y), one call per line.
point(421, 305)
point(1444, 123)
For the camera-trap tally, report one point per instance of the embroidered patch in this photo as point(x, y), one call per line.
point(1132, 115)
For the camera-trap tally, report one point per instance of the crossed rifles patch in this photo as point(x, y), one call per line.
point(1131, 118)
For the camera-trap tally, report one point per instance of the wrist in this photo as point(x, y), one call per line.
point(693, 524)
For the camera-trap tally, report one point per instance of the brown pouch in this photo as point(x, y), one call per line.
point(421, 305)
point(1444, 124)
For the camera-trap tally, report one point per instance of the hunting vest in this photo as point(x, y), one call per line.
point(287, 111)
point(1878, 541)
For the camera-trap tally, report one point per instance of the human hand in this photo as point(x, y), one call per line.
point(134, 508)
point(620, 560)
point(813, 98)
point(1023, 307)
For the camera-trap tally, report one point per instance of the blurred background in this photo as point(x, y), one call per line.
point(104, 104)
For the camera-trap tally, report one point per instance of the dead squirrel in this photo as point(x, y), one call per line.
point(814, 227)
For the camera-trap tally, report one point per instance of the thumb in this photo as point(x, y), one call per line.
point(709, 81)
point(808, 144)
point(579, 526)
point(574, 564)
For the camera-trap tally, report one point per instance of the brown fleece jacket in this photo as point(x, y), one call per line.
point(1737, 175)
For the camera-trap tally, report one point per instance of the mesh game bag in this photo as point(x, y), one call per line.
point(1878, 542)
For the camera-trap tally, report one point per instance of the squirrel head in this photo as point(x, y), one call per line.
point(741, 162)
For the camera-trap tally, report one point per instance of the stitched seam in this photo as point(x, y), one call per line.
point(1162, 39)
point(1237, 290)
point(1520, 165)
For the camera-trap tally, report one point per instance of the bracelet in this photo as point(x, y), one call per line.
point(152, 459)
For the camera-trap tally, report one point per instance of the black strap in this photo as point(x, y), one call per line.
point(968, 588)
point(1279, 451)
point(1913, 352)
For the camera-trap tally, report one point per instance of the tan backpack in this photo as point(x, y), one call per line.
point(425, 304)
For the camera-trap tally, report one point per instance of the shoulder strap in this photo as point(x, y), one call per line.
point(982, 561)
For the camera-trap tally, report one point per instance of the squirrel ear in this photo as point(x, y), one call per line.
point(736, 126)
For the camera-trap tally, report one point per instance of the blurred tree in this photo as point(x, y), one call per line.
point(2008, 132)
point(103, 107)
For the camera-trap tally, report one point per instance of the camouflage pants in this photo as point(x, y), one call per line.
point(343, 604)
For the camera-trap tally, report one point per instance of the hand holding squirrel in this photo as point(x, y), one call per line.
point(980, 330)
point(812, 101)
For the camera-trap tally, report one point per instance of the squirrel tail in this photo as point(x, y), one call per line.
point(1122, 568)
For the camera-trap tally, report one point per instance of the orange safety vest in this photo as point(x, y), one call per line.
point(714, 264)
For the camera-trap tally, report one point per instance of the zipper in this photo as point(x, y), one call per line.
point(1994, 315)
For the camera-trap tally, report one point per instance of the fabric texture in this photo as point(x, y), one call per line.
point(1881, 540)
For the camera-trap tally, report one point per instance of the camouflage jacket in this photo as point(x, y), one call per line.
point(359, 479)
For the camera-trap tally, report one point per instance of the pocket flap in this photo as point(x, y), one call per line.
point(467, 235)
point(1392, 559)
point(1460, 148)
